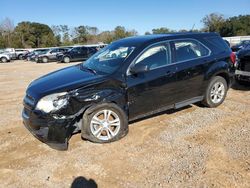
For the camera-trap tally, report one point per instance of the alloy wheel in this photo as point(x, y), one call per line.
point(105, 125)
point(217, 92)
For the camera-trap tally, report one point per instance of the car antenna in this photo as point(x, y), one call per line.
point(192, 28)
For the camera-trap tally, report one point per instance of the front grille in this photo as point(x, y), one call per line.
point(244, 65)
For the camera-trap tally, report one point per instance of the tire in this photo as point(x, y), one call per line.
point(103, 132)
point(20, 57)
point(216, 92)
point(66, 59)
point(45, 60)
point(4, 60)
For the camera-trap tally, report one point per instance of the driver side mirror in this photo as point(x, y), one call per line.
point(138, 68)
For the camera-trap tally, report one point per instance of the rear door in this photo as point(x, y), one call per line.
point(191, 58)
point(53, 53)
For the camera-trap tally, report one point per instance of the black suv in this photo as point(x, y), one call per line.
point(79, 53)
point(129, 79)
point(50, 55)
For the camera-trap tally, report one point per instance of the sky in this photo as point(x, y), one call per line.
point(107, 14)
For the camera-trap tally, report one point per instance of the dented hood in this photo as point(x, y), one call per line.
point(62, 80)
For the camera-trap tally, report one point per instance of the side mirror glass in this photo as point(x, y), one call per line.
point(138, 68)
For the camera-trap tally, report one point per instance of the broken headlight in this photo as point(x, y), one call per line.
point(53, 102)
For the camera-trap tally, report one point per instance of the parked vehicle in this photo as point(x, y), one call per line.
point(50, 55)
point(33, 55)
point(148, 74)
point(227, 43)
point(15, 53)
point(241, 45)
point(78, 53)
point(4, 58)
point(242, 73)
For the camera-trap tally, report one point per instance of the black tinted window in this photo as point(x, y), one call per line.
point(218, 44)
point(189, 49)
point(155, 57)
point(84, 50)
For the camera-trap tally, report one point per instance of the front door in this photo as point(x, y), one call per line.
point(153, 89)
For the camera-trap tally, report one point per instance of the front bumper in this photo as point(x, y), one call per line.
point(53, 132)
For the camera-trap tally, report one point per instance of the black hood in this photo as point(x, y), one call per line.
point(62, 80)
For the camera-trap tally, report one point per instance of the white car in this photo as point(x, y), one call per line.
point(4, 58)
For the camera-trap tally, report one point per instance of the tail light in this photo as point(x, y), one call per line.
point(233, 58)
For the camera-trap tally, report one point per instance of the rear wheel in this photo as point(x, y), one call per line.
point(104, 123)
point(20, 57)
point(216, 92)
point(4, 59)
point(66, 59)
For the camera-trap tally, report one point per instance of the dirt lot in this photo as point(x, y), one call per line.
point(192, 147)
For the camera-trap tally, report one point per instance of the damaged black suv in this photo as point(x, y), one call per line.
point(129, 79)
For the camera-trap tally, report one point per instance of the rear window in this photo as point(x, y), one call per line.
point(219, 45)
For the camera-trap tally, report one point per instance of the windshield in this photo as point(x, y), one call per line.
point(108, 59)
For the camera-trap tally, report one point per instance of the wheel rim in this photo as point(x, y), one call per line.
point(217, 92)
point(45, 60)
point(105, 125)
point(66, 60)
point(4, 60)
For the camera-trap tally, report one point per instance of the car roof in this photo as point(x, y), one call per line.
point(139, 40)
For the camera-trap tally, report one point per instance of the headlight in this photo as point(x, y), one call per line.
point(52, 102)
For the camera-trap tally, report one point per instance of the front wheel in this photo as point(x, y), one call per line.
point(104, 123)
point(216, 92)
point(66, 59)
point(4, 59)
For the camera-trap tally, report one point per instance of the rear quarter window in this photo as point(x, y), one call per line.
point(218, 45)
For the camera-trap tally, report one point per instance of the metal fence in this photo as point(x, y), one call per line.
point(236, 39)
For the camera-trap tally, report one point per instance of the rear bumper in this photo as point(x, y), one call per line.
point(53, 132)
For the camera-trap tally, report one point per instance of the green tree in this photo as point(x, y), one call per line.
point(35, 35)
point(213, 22)
point(161, 30)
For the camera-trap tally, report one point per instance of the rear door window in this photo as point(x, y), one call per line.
point(155, 57)
point(189, 49)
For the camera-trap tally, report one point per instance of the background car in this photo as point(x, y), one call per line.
point(241, 45)
point(50, 55)
point(4, 58)
point(32, 55)
point(78, 53)
point(15, 53)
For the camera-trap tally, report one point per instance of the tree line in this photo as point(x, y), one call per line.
point(35, 35)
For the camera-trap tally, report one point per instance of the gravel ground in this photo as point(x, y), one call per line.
point(191, 147)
